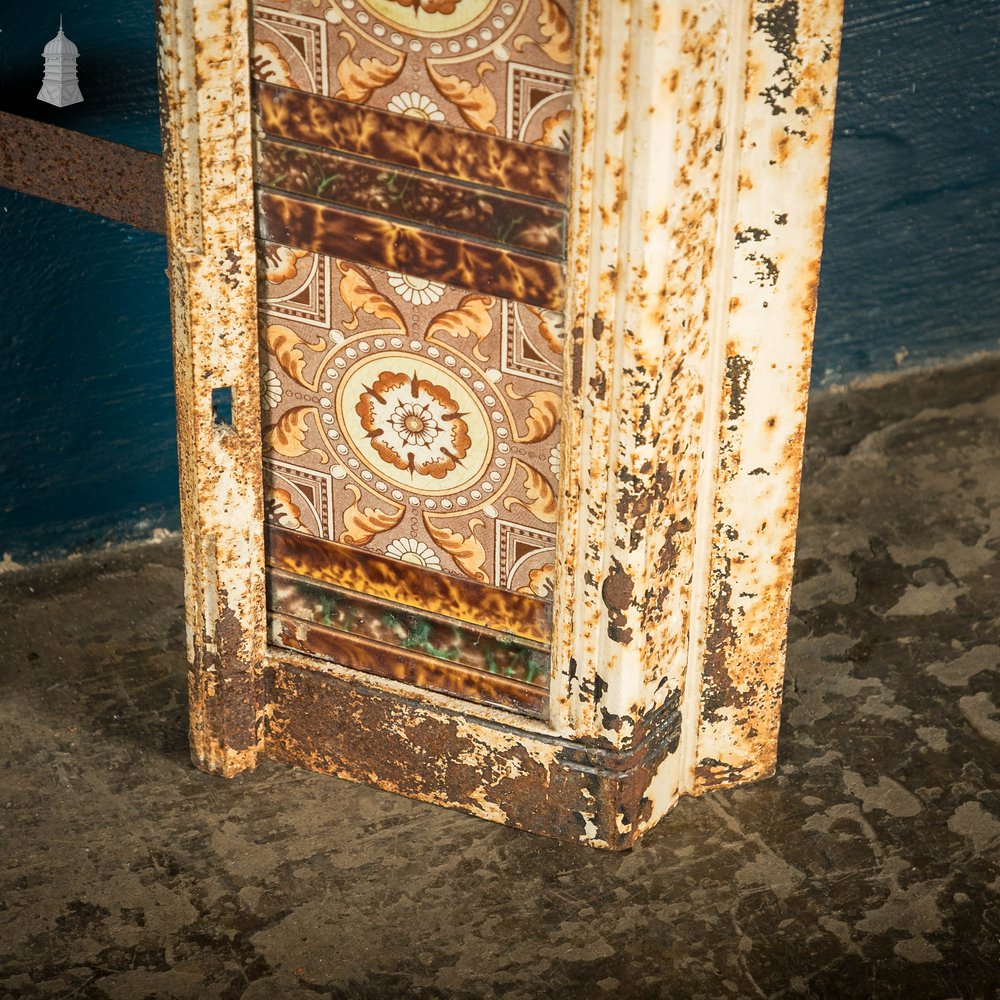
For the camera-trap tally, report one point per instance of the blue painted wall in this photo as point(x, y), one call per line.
point(911, 262)
point(87, 437)
point(911, 269)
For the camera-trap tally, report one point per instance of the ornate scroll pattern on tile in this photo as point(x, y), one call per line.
point(430, 440)
point(412, 164)
point(498, 68)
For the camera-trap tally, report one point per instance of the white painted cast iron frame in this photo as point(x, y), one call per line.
point(699, 168)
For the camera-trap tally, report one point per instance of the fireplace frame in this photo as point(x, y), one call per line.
point(701, 141)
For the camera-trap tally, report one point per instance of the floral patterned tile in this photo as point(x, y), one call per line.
point(413, 419)
point(499, 67)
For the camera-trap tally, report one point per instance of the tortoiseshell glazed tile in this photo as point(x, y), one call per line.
point(407, 584)
point(411, 667)
point(421, 253)
point(398, 626)
point(412, 197)
point(415, 143)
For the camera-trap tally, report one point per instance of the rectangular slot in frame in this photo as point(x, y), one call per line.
point(222, 406)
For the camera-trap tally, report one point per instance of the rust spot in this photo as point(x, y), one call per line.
point(616, 592)
point(661, 725)
point(642, 496)
point(230, 269)
point(765, 270)
point(666, 558)
point(226, 723)
point(577, 360)
point(591, 692)
point(600, 688)
point(718, 688)
point(536, 783)
point(645, 811)
point(737, 377)
point(717, 774)
point(751, 235)
point(610, 722)
point(780, 24)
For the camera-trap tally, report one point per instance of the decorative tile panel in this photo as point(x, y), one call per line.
point(429, 450)
point(496, 68)
point(411, 170)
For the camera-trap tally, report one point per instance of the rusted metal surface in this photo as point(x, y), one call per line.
point(773, 244)
point(559, 788)
point(664, 533)
point(698, 166)
point(656, 139)
point(81, 171)
point(205, 103)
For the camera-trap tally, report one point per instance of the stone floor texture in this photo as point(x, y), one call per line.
point(868, 867)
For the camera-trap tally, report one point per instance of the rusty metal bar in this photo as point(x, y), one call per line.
point(81, 171)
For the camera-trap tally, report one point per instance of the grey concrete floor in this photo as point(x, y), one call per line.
point(868, 867)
